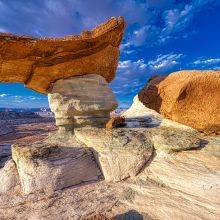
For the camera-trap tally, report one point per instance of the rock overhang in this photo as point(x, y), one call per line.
point(38, 63)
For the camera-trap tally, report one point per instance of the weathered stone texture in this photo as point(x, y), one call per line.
point(8, 177)
point(179, 179)
point(182, 181)
point(40, 62)
point(184, 185)
point(189, 97)
point(121, 153)
point(46, 168)
point(80, 101)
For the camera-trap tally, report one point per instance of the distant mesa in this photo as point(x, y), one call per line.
point(38, 63)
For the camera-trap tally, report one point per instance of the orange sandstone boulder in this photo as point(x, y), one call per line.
point(190, 97)
point(40, 62)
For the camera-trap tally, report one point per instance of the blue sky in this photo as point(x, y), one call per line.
point(162, 36)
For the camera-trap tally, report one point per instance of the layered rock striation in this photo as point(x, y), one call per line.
point(121, 153)
point(39, 62)
point(81, 101)
point(124, 152)
point(44, 167)
point(163, 164)
point(188, 97)
point(182, 178)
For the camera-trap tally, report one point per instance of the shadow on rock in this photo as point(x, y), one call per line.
point(201, 144)
point(5, 154)
point(142, 122)
point(131, 215)
point(149, 95)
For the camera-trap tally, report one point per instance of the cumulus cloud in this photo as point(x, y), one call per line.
point(3, 95)
point(168, 21)
point(129, 66)
point(165, 62)
point(132, 74)
point(177, 19)
point(26, 101)
point(209, 63)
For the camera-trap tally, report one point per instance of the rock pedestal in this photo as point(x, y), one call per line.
point(81, 101)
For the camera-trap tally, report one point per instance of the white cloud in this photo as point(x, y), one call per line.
point(3, 95)
point(168, 21)
point(165, 62)
point(209, 63)
point(123, 46)
point(177, 19)
point(129, 66)
point(138, 68)
point(35, 98)
point(173, 23)
point(132, 75)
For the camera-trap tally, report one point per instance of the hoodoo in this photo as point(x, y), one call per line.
point(74, 70)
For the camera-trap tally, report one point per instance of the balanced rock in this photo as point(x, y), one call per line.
point(44, 167)
point(40, 62)
point(188, 97)
point(81, 101)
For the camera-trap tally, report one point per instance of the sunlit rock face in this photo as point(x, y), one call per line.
point(121, 152)
point(189, 97)
point(81, 101)
point(8, 177)
point(45, 167)
point(39, 62)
